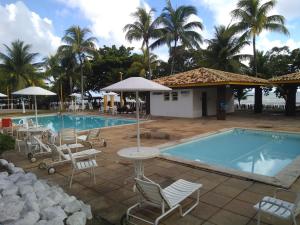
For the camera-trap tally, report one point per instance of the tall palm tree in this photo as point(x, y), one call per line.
point(177, 28)
point(143, 28)
point(253, 17)
point(78, 42)
point(223, 51)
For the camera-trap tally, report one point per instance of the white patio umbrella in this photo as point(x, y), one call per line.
point(2, 95)
point(136, 84)
point(34, 91)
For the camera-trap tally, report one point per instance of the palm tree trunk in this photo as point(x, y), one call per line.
point(254, 57)
point(149, 61)
point(81, 81)
point(173, 57)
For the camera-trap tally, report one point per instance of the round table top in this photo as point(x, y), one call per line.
point(143, 153)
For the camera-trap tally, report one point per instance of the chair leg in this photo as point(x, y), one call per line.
point(71, 180)
point(258, 218)
point(94, 175)
point(294, 220)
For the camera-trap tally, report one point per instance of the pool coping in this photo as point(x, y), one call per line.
point(285, 178)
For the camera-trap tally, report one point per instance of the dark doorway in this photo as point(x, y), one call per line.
point(204, 104)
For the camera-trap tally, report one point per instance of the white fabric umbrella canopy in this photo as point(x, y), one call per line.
point(2, 95)
point(136, 84)
point(34, 91)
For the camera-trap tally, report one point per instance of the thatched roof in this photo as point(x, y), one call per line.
point(292, 78)
point(209, 77)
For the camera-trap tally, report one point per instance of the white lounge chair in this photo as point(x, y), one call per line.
point(93, 137)
point(83, 162)
point(37, 148)
point(279, 208)
point(168, 199)
point(59, 157)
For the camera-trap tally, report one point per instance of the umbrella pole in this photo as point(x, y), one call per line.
point(138, 121)
point(36, 120)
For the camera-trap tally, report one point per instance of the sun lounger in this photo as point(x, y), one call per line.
point(276, 207)
point(59, 157)
point(167, 199)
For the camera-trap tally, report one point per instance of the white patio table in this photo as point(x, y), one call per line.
point(138, 156)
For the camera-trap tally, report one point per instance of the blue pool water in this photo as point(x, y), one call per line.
point(57, 122)
point(259, 152)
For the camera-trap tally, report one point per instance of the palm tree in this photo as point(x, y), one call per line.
point(80, 44)
point(143, 28)
point(254, 17)
point(178, 29)
point(18, 68)
point(223, 51)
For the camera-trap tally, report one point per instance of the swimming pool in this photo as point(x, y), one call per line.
point(79, 122)
point(252, 151)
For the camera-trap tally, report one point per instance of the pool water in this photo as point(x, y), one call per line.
point(79, 122)
point(258, 152)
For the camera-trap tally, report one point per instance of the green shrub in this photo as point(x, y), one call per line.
point(6, 143)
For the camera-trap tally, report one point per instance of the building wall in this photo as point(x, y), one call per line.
point(189, 103)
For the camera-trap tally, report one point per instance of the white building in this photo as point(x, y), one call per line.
point(199, 92)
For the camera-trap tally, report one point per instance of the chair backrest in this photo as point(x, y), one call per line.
point(67, 135)
point(93, 134)
point(30, 123)
point(151, 192)
point(41, 144)
point(57, 151)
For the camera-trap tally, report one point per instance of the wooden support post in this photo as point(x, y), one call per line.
point(290, 104)
point(221, 102)
point(148, 102)
point(258, 100)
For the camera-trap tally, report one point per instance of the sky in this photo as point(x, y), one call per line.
point(42, 23)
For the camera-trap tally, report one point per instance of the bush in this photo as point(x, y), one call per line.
point(6, 143)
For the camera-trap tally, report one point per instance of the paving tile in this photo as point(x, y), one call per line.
point(241, 208)
point(262, 189)
point(120, 194)
point(215, 199)
point(105, 187)
point(225, 217)
point(250, 197)
point(208, 184)
point(114, 213)
point(227, 191)
point(204, 211)
point(238, 183)
point(176, 219)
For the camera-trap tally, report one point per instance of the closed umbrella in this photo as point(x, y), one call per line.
point(2, 95)
point(136, 84)
point(34, 91)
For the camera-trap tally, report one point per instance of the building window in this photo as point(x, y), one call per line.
point(167, 96)
point(174, 96)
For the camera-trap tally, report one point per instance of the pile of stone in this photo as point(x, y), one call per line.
point(26, 200)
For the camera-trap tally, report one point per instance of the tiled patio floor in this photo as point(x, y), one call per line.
point(224, 200)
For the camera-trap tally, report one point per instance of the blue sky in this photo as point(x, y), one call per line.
point(42, 22)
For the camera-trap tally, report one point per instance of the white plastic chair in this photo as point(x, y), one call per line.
point(168, 199)
point(279, 208)
point(93, 137)
point(67, 136)
point(82, 162)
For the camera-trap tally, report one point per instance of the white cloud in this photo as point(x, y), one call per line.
point(18, 22)
point(107, 18)
point(289, 8)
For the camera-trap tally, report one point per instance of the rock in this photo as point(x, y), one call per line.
point(16, 170)
point(42, 193)
point(39, 186)
point(56, 221)
point(25, 189)
point(3, 175)
point(10, 166)
point(87, 210)
point(28, 219)
point(10, 207)
point(55, 196)
point(15, 177)
point(31, 205)
point(41, 222)
point(11, 190)
point(72, 207)
point(4, 184)
point(77, 218)
point(45, 202)
point(54, 212)
point(66, 199)
point(3, 162)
